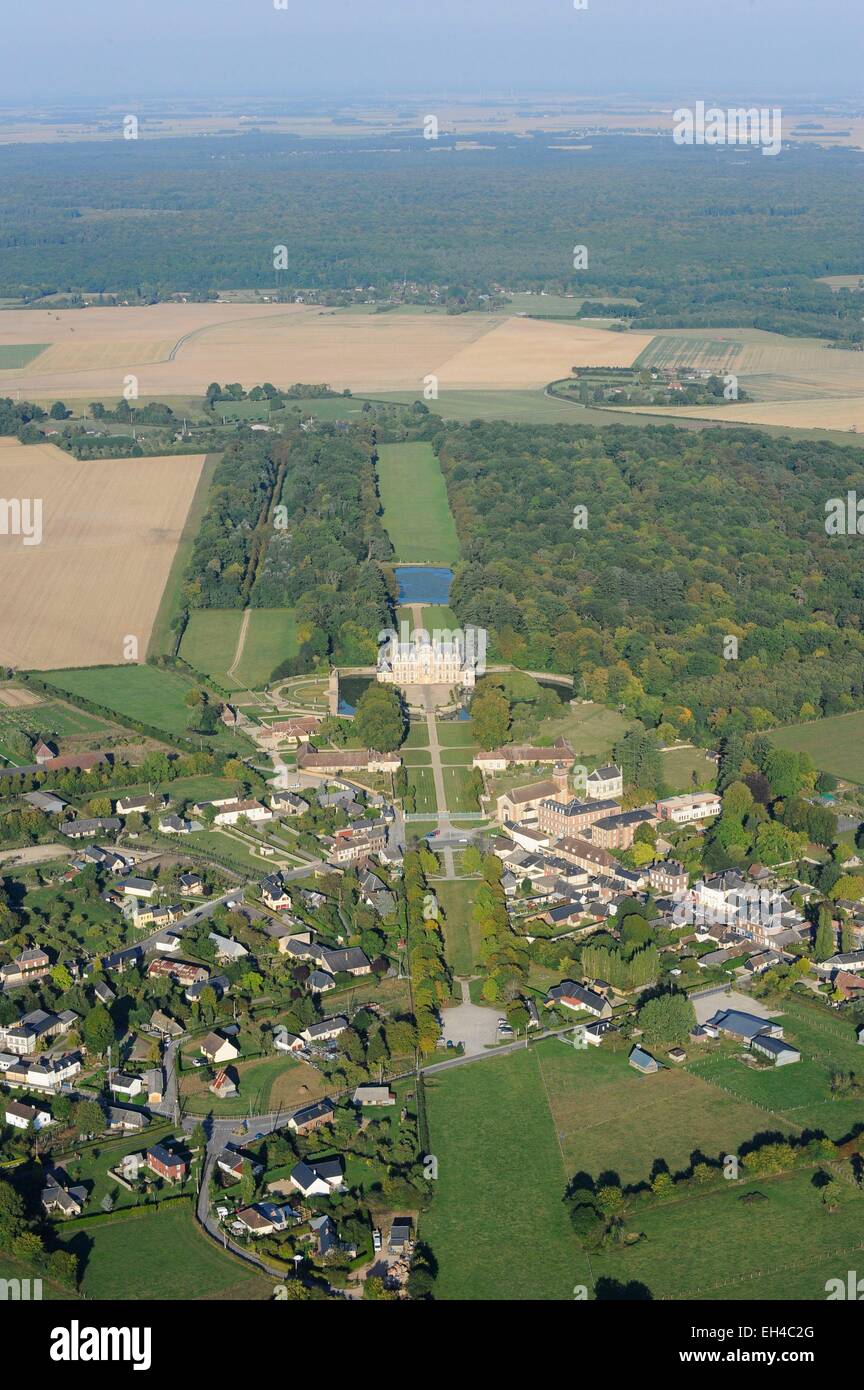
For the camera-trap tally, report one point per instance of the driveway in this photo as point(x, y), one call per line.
point(470, 1024)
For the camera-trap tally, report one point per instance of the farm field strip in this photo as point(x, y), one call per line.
point(417, 513)
point(109, 532)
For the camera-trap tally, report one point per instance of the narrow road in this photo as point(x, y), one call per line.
point(438, 779)
point(241, 643)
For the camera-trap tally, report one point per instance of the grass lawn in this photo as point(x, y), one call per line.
point(270, 639)
point(461, 937)
point(490, 1125)
point(145, 693)
point(215, 842)
point(418, 735)
point(591, 729)
point(162, 1255)
point(680, 764)
point(53, 718)
point(266, 1083)
point(516, 407)
point(420, 778)
point(456, 733)
point(210, 640)
point(458, 788)
point(835, 745)
point(416, 510)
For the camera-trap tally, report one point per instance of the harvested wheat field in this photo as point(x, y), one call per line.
point(109, 532)
point(828, 413)
point(178, 349)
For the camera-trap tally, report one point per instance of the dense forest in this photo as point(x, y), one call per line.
point(326, 546)
point(700, 592)
point(151, 218)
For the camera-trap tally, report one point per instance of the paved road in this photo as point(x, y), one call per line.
point(438, 779)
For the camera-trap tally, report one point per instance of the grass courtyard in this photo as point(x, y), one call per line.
point(416, 510)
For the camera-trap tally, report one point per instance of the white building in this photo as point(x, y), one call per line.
point(445, 658)
point(604, 783)
point(689, 807)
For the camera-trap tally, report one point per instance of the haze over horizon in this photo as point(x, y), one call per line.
point(97, 51)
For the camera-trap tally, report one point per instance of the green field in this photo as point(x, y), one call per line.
point(539, 1117)
point(150, 695)
point(680, 765)
point(497, 1224)
point(210, 641)
point(835, 744)
point(458, 789)
point(271, 639)
point(515, 407)
point(14, 355)
point(608, 1117)
point(173, 1259)
point(416, 511)
point(461, 937)
point(420, 778)
point(800, 1095)
point(685, 351)
point(591, 729)
point(210, 644)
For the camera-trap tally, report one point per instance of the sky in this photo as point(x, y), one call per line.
point(58, 51)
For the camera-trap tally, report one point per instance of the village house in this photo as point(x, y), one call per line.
point(292, 731)
point(324, 1031)
point(84, 829)
point(182, 972)
point(524, 755)
point(288, 803)
point(224, 1084)
point(317, 1178)
point(21, 1116)
point(58, 1199)
point(275, 894)
point(570, 995)
point(373, 1095)
point(192, 884)
point(618, 832)
point(592, 858)
point(218, 1049)
point(312, 1117)
point(252, 811)
point(22, 1037)
point(668, 878)
point(133, 887)
point(32, 964)
point(165, 1164)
